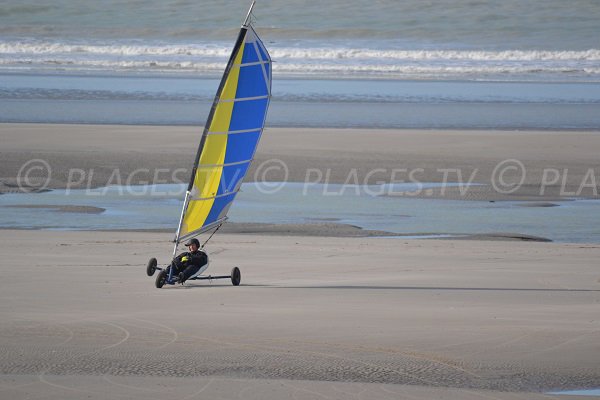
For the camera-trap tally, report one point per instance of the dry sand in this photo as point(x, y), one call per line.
point(335, 318)
point(138, 153)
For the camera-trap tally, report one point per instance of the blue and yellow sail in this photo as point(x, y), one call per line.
point(230, 137)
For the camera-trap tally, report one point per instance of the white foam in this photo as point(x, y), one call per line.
point(309, 60)
point(35, 47)
point(331, 53)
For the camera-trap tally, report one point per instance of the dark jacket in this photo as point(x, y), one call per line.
point(197, 258)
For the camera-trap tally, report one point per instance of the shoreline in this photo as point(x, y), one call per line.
point(558, 165)
point(330, 164)
point(328, 230)
point(312, 127)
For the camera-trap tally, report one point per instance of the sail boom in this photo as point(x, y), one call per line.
point(202, 230)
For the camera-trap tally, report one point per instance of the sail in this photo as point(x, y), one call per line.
point(230, 137)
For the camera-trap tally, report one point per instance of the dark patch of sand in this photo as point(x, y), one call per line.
point(312, 229)
point(535, 204)
point(62, 208)
point(139, 153)
point(502, 237)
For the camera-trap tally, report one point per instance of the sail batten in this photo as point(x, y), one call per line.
point(243, 99)
point(250, 64)
point(231, 135)
point(234, 132)
point(208, 166)
point(216, 197)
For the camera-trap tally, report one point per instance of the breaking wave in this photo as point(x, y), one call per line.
point(305, 59)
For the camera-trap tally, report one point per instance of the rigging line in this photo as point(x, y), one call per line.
point(211, 235)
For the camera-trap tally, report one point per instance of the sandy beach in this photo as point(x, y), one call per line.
point(342, 318)
point(323, 311)
point(547, 165)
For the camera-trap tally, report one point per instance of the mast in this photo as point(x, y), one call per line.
point(234, 53)
point(247, 20)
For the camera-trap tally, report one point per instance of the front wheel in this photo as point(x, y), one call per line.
point(236, 276)
point(161, 278)
point(151, 267)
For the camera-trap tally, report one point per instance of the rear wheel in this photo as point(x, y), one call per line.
point(236, 276)
point(151, 267)
point(161, 278)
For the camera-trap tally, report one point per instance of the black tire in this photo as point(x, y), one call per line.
point(236, 276)
point(161, 278)
point(151, 267)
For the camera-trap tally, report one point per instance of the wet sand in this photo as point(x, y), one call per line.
point(557, 165)
point(341, 318)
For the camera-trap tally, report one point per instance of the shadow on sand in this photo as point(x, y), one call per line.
point(371, 287)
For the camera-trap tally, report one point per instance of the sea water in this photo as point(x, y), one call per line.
point(395, 64)
point(583, 392)
point(159, 207)
point(356, 103)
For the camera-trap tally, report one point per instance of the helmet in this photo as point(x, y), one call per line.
point(192, 241)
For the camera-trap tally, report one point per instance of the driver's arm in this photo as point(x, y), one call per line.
point(181, 256)
point(198, 259)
